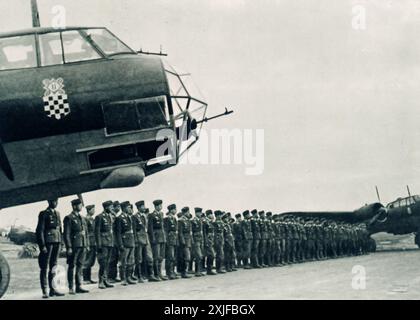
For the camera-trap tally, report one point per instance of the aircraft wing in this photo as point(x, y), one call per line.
point(363, 214)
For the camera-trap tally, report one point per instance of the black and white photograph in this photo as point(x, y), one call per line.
point(209, 150)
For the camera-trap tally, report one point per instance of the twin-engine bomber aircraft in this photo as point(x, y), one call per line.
point(401, 216)
point(81, 111)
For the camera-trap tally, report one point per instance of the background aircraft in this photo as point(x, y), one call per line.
point(401, 216)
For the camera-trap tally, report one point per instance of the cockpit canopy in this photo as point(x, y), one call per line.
point(41, 47)
point(404, 202)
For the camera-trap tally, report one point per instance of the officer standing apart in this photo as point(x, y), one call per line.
point(91, 253)
point(77, 243)
point(49, 236)
point(104, 237)
point(157, 238)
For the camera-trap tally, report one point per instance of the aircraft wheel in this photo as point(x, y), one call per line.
point(4, 275)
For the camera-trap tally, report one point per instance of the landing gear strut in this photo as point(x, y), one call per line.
point(4, 275)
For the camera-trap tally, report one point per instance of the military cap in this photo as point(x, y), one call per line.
point(228, 214)
point(185, 209)
point(231, 220)
point(218, 213)
point(179, 214)
point(245, 213)
point(238, 215)
point(76, 202)
point(225, 216)
point(157, 202)
point(171, 207)
point(255, 211)
point(197, 209)
point(125, 204)
point(107, 204)
point(261, 213)
point(140, 203)
point(209, 212)
point(90, 207)
point(116, 203)
point(269, 214)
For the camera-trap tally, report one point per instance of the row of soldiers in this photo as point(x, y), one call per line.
point(136, 243)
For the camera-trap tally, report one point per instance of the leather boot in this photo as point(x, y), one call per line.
point(128, 276)
point(219, 268)
point(152, 277)
point(89, 274)
point(122, 275)
point(133, 274)
point(184, 273)
point(139, 274)
point(210, 270)
point(161, 276)
point(101, 284)
point(197, 268)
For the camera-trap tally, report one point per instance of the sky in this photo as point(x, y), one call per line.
point(338, 105)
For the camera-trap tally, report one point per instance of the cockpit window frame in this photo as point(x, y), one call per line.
point(81, 31)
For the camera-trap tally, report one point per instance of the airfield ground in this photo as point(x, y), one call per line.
point(391, 273)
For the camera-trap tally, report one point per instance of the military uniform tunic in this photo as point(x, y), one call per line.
point(171, 229)
point(77, 240)
point(49, 236)
point(104, 236)
point(198, 239)
point(157, 235)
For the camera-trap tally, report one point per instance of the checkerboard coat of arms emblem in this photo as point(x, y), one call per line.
point(56, 103)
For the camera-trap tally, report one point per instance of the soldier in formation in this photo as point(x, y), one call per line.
point(206, 243)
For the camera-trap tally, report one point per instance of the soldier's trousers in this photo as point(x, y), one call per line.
point(283, 250)
point(255, 252)
point(310, 252)
point(276, 255)
point(239, 250)
point(229, 251)
point(293, 249)
point(185, 257)
point(143, 255)
point(89, 263)
point(104, 259)
point(126, 262)
point(76, 259)
point(220, 255)
point(262, 251)
point(158, 251)
point(113, 264)
point(47, 263)
point(170, 258)
point(246, 251)
point(197, 252)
